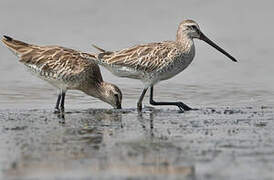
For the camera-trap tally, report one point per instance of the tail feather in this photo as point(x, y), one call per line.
point(17, 47)
point(99, 49)
point(104, 52)
point(98, 58)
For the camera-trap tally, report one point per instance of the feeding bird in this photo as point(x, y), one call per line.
point(65, 69)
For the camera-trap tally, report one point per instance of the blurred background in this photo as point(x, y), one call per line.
point(243, 28)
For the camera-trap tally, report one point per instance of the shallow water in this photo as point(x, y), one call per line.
point(157, 144)
point(163, 143)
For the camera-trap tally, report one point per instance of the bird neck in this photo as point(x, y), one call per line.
point(99, 91)
point(96, 90)
point(184, 40)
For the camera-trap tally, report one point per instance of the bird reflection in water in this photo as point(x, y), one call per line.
point(144, 120)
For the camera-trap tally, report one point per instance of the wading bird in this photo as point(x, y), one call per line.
point(155, 62)
point(65, 69)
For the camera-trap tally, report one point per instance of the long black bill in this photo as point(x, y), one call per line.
point(204, 38)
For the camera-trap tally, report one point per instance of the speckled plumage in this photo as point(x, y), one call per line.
point(150, 62)
point(64, 68)
point(154, 62)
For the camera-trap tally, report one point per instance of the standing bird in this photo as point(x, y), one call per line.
point(155, 62)
point(65, 69)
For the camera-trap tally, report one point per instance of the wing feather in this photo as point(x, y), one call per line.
point(148, 57)
point(54, 60)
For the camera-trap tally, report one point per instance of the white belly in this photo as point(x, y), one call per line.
point(127, 72)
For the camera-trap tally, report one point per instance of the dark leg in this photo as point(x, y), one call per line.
point(181, 106)
point(62, 106)
point(139, 103)
point(56, 109)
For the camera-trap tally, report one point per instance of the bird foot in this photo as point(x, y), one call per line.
point(182, 110)
point(184, 107)
point(56, 111)
point(139, 107)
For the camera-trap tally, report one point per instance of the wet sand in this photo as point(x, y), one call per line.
point(210, 143)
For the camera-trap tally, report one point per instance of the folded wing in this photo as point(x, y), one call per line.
point(148, 57)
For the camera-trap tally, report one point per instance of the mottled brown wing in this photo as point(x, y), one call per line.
point(149, 57)
point(63, 61)
point(53, 59)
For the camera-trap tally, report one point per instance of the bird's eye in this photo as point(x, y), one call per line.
point(193, 27)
